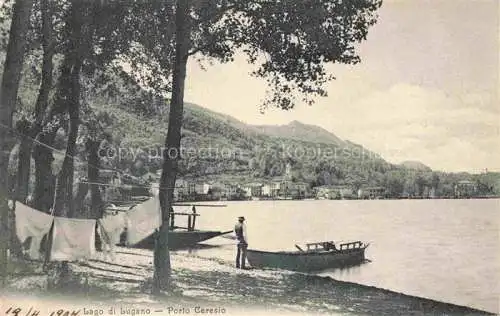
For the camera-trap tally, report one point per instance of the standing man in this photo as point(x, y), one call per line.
point(240, 230)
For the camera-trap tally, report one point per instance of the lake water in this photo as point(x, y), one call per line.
point(447, 250)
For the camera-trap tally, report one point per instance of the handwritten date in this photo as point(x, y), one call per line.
point(18, 311)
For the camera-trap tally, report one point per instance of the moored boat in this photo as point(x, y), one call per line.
point(179, 239)
point(317, 256)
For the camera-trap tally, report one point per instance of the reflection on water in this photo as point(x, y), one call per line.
point(345, 270)
point(441, 249)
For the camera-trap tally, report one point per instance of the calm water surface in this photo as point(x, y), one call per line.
point(446, 250)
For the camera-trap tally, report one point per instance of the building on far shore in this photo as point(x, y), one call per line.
point(299, 189)
point(230, 191)
point(267, 190)
point(181, 190)
point(371, 193)
point(202, 188)
point(465, 188)
point(334, 192)
point(253, 189)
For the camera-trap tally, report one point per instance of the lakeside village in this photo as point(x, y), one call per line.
point(284, 188)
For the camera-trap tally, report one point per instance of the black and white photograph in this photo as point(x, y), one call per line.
point(249, 157)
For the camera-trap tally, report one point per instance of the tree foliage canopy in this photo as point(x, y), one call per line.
point(289, 41)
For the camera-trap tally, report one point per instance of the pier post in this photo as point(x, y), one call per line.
point(194, 217)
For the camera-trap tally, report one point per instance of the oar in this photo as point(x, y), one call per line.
point(300, 249)
point(229, 236)
point(202, 205)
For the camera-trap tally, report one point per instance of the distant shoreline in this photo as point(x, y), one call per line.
point(309, 200)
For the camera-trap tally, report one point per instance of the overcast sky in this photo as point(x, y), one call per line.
point(427, 87)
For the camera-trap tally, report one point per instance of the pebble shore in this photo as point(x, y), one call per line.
point(208, 287)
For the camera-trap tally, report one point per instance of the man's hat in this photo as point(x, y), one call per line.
point(241, 217)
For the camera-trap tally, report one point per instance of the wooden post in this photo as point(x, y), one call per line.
point(194, 217)
point(172, 219)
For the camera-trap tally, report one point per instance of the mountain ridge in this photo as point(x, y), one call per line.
point(415, 165)
point(263, 155)
point(300, 131)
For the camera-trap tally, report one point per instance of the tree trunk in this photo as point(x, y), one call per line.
point(47, 66)
point(22, 180)
point(64, 190)
point(96, 205)
point(42, 100)
point(70, 94)
point(81, 194)
point(43, 195)
point(172, 152)
point(24, 161)
point(68, 97)
point(8, 95)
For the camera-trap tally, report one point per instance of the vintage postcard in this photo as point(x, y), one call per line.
point(249, 157)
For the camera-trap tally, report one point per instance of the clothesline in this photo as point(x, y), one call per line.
point(127, 185)
point(65, 154)
point(74, 239)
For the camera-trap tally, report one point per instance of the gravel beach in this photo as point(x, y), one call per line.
point(207, 286)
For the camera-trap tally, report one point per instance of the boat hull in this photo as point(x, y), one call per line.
point(305, 261)
point(180, 239)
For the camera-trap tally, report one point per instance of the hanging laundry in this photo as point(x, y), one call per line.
point(143, 220)
point(113, 226)
point(73, 239)
point(32, 224)
point(107, 248)
point(110, 228)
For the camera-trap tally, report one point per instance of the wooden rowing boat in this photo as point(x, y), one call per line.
point(317, 256)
